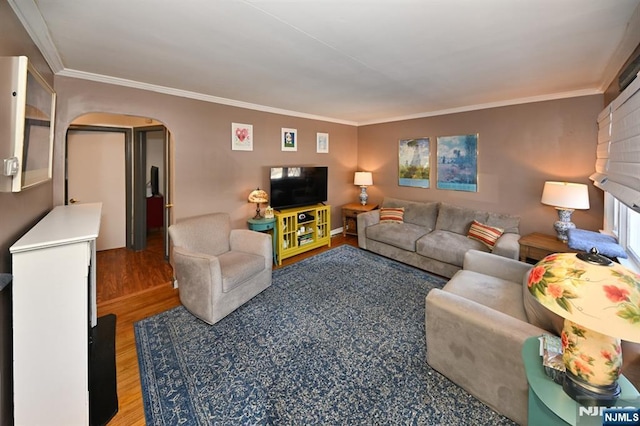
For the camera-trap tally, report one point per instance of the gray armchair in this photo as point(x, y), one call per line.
point(476, 327)
point(218, 268)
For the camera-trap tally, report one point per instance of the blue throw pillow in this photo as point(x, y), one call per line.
point(607, 245)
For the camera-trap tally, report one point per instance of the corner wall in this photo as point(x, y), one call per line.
point(519, 148)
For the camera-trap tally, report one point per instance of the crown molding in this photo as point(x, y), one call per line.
point(194, 95)
point(29, 15)
point(468, 108)
point(630, 41)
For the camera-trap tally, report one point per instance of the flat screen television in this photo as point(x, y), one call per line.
point(155, 180)
point(297, 186)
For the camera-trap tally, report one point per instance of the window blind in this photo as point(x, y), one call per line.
point(602, 149)
point(617, 168)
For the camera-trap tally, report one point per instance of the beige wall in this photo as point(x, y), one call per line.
point(519, 147)
point(208, 175)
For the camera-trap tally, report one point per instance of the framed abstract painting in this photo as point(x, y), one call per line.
point(413, 163)
point(457, 164)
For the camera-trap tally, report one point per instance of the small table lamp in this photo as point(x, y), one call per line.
point(565, 197)
point(363, 179)
point(600, 303)
point(258, 196)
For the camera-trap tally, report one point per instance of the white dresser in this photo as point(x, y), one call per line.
point(54, 308)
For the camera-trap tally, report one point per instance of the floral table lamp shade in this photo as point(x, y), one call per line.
point(601, 306)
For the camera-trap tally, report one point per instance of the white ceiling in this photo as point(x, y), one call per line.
point(349, 61)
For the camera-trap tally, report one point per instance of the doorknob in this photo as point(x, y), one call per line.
point(73, 201)
point(168, 205)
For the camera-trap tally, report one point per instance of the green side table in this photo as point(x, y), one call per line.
point(263, 225)
point(548, 403)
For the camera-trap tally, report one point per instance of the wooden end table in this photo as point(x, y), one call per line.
point(350, 213)
point(536, 246)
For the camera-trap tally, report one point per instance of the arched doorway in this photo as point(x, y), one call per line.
point(124, 162)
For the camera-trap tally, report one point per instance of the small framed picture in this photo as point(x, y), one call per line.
point(241, 137)
point(289, 139)
point(322, 143)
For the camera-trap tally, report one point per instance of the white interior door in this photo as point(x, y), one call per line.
point(96, 173)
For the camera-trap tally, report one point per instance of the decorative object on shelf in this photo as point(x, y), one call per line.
point(363, 179)
point(289, 139)
point(457, 163)
point(268, 212)
point(413, 163)
point(305, 217)
point(565, 197)
point(322, 143)
point(241, 137)
point(600, 303)
point(551, 350)
point(258, 196)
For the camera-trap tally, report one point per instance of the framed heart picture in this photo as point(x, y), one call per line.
point(241, 137)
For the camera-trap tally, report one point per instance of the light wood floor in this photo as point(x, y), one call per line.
point(133, 286)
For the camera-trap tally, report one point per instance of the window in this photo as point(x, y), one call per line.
point(624, 223)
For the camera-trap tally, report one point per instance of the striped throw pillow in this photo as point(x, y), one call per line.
point(488, 235)
point(392, 215)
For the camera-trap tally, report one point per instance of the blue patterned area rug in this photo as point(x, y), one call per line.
point(337, 339)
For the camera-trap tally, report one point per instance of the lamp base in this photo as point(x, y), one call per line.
point(363, 195)
point(590, 395)
point(564, 223)
point(258, 215)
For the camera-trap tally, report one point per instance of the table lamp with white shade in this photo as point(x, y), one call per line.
point(600, 303)
point(363, 179)
point(565, 197)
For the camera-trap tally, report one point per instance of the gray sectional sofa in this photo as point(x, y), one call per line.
point(433, 235)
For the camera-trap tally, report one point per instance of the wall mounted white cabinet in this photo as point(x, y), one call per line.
point(54, 309)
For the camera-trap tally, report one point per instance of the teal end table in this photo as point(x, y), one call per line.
point(264, 225)
point(548, 403)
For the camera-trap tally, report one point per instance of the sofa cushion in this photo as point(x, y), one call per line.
point(510, 224)
point(487, 235)
point(237, 267)
point(495, 293)
point(419, 213)
point(392, 215)
point(458, 219)
point(447, 247)
point(401, 235)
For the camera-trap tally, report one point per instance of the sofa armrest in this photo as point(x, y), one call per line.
point(507, 246)
point(364, 220)
point(495, 266)
point(479, 349)
point(253, 242)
